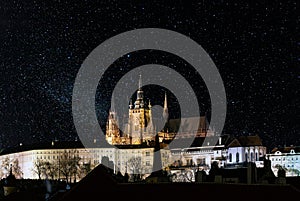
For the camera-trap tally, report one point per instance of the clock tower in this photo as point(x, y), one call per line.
point(139, 117)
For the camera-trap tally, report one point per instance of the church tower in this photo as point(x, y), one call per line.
point(139, 127)
point(112, 129)
point(139, 116)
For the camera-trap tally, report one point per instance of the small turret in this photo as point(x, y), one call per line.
point(130, 103)
point(149, 105)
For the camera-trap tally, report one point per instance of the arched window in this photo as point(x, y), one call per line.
point(237, 157)
point(230, 157)
point(256, 156)
point(251, 156)
point(246, 157)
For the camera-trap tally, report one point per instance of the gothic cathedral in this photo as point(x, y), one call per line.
point(139, 127)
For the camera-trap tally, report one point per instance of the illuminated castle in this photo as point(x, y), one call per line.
point(139, 127)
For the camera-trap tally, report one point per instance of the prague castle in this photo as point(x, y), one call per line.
point(135, 145)
point(140, 127)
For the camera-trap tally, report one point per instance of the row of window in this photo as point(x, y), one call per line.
point(283, 159)
point(57, 157)
point(91, 151)
point(55, 152)
point(237, 157)
point(136, 111)
point(147, 153)
point(200, 151)
point(148, 163)
point(292, 165)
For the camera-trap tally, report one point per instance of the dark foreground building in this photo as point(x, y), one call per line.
point(101, 185)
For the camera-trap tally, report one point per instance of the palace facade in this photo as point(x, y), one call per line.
point(75, 161)
point(286, 158)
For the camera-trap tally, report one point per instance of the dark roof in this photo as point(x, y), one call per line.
point(199, 141)
point(64, 145)
point(100, 184)
point(187, 124)
point(247, 141)
point(45, 145)
point(234, 143)
point(287, 149)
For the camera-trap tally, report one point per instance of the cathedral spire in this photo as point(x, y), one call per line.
point(165, 112)
point(139, 103)
point(140, 83)
point(112, 104)
point(165, 102)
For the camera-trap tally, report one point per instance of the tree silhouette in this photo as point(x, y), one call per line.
point(16, 169)
point(38, 168)
point(14, 164)
point(5, 167)
point(69, 165)
point(135, 167)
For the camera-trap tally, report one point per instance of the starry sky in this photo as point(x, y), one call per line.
point(254, 45)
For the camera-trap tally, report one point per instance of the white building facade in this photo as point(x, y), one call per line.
point(123, 160)
point(228, 153)
point(287, 158)
point(246, 149)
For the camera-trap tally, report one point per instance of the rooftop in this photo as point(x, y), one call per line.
point(286, 149)
point(99, 183)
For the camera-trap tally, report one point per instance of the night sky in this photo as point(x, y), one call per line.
point(254, 45)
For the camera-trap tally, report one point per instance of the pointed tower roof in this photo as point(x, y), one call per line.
point(140, 82)
point(165, 101)
point(112, 103)
point(165, 112)
point(139, 103)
